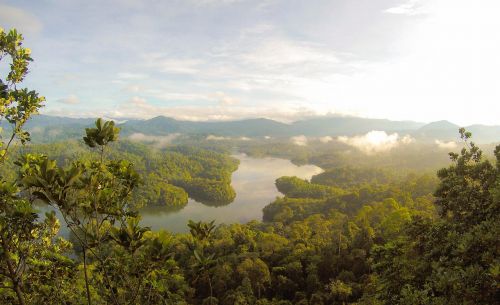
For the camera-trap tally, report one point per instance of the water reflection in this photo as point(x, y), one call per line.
point(254, 186)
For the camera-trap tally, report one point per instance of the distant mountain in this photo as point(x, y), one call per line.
point(447, 131)
point(49, 121)
point(46, 128)
point(486, 134)
point(349, 126)
point(440, 125)
point(442, 130)
point(321, 126)
point(163, 125)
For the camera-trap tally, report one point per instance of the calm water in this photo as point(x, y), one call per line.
point(254, 186)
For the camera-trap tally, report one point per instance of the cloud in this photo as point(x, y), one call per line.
point(325, 139)
point(215, 2)
point(69, 100)
point(167, 64)
point(224, 99)
point(316, 54)
point(24, 21)
point(157, 141)
point(299, 140)
point(407, 139)
point(218, 97)
point(282, 53)
point(179, 66)
point(216, 138)
point(105, 118)
point(410, 8)
point(446, 145)
point(132, 88)
point(139, 108)
point(138, 101)
point(375, 141)
point(131, 75)
point(177, 96)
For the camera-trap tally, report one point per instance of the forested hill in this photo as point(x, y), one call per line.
point(349, 236)
point(168, 176)
point(47, 128)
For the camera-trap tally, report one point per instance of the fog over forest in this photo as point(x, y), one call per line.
point(237, 152)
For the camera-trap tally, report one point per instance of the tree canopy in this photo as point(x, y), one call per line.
point(350, 235)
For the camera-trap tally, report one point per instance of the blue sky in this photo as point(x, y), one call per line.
point(420, 60)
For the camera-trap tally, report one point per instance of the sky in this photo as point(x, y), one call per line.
point(422, 60)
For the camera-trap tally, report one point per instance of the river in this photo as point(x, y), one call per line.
point(253, 182)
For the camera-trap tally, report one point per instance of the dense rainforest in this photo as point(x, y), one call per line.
point(350, 235)
point(168, 176)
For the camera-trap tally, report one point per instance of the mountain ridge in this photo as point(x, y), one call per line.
point(260, 127)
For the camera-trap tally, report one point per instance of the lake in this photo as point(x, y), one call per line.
point(253, 182)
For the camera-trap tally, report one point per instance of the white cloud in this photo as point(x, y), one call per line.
point(167, 64)
point(157, 141)
point(132, 75)
point(282, 53)
point(407, 139)
point(446, 145)
point(177, 96)
point(69, 100)
point(218, 97)
point(325, 139)
point(20, 19)
point(375, 141)
point(224, 99)
point(217, 138)
point(138, 101)
point(299, 140)
point(215, 2)
point(139, 108)
point(410, 8)
point(443, 64)
point(113, 119)
point(180, 66)
point(295, 55)
point(132, 88)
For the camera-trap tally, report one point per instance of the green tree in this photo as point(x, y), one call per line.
point(339, 290)
point(27, 245)
point(257, 272)
point(204, 262)
point(455, 259)
point(93, 196)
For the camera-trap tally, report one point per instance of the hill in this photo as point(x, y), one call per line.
point(46, 128)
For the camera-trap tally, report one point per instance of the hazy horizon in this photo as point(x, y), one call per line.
point(284, 60)
point(281, 120)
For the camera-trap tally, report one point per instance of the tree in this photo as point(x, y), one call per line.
point(465, 193)
point(257, 272)
point(455, 259)
point(24, 240)
point(204, 263)
point(339, 290)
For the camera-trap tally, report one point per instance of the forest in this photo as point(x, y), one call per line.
point(354, 234)
point(167, 176)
